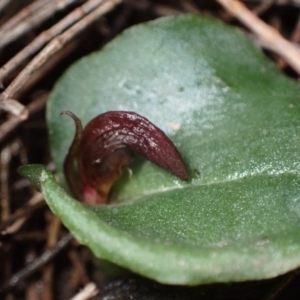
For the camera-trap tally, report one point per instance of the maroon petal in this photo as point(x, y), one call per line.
point(107, 144)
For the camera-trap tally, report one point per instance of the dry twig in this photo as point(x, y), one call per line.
point(22, 15)
point(47, 35)
point(14, 121)
point(5, 158)
point(281, 286)
point(37, 263)
point(190, 7)
point(295, 37)
point(79, 274)
point(263, 7)
point(53, 233)
point(3, 4)
point(267, 36)
point(8, 226)
point(14, 107)
point(295, 3)
point(52, 48)
point(30, 17)
point(89, 291)
point(15, 148)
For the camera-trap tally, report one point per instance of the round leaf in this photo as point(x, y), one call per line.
point(235, 120)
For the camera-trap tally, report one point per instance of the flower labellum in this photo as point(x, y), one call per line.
point(107, 145)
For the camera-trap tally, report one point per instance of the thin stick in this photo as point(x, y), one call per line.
point(79, 273)
point(295, 38)
point(263, 7)
point(3, 4)
point(15, 148)
point(283, 284)
point(5, 158)
point(53, 47)
point(292, 3)
point(89, 291)
point(37, 263)
point(29, 18)
point(22, 15)
point(267, 35)
point(34, 203)
point(190, 6)
point(32, 291)
point(47, 35)
point(53, 233)
point(14, 121)
point(14, 107)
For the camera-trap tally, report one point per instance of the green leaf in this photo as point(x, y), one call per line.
point(236, 121)
point(33, 173)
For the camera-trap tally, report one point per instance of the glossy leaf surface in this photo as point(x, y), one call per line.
point(234, 118)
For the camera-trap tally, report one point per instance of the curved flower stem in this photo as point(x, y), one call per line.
point(69, 168)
